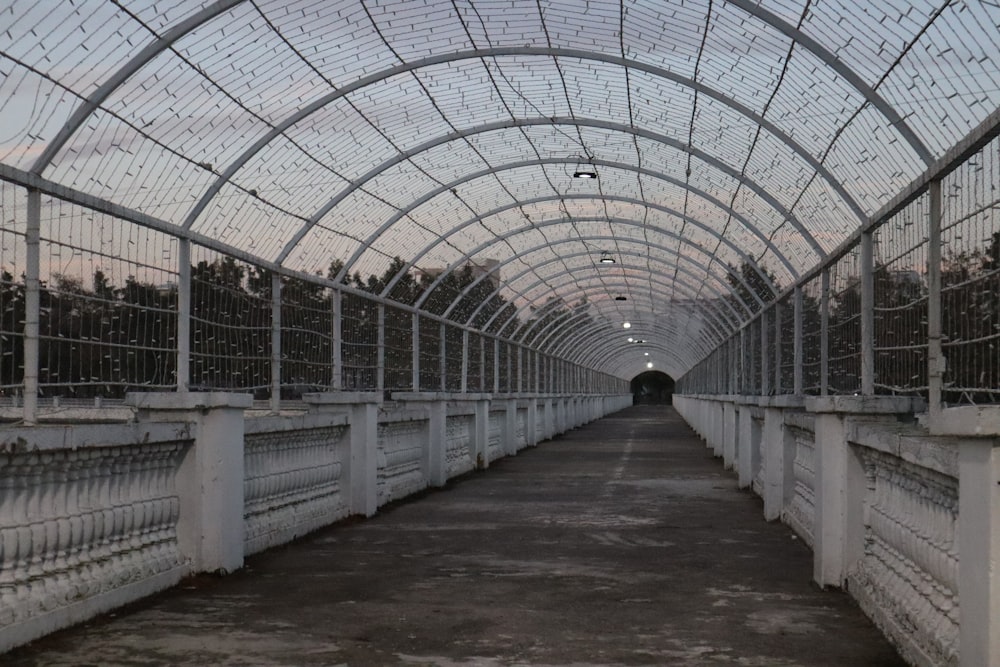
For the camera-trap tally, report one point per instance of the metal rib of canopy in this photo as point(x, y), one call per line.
point(447, 133)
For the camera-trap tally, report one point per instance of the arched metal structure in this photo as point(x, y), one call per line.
point(740, 148)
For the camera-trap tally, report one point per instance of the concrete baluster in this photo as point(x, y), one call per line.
point(979, 545)
point(210, 528)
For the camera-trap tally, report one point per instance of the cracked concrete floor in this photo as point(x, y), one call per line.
point(620, 543)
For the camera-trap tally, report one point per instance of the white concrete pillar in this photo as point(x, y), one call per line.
point(716, 425)
point(436, 405)
point(510, 427)
point(836, 467)
point(435, 470)
point(728, 435)
point(481, 434)
point(746, 461)
point(840, 486)
point(979, 549)
point(210, 528)
point(779, 463)
point(362, 473)
point(359, 478)
point(531, 423)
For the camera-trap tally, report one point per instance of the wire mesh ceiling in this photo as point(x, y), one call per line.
point(723, 133)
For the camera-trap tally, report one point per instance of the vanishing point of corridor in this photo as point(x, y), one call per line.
point(620, 543)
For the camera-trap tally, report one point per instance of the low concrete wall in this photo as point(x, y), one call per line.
point(94, 516)
point(904, 517)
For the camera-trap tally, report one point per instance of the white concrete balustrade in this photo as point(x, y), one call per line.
point(94, 516)
point(905, 520)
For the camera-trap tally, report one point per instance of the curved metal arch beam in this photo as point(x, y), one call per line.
point(667, 327)
point(595, 285)
point(713, 318)
point(528, 251)
point(599, 352)
point(547, 223)
point(837, 65)
point(637, 65)
point(208, 13)
point(629, 368)
point(409, 208)
point(605, 345)
point(582, 122)
point(569, 280)
point(610, 359)
point(548, 338)
point(716, 314)
point(541, 200)
point(137, 62)
point(584, 239)
point(686, 346)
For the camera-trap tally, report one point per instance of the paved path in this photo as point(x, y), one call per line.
point(621, 543)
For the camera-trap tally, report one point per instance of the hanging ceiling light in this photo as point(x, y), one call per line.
point(590, 173)
point(606, 258)
point(626, 325)
point(620, 298)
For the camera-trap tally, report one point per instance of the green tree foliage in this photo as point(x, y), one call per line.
point(230, 327)
point(970, 323)
point(11, 324)
point(752, 283)
point(554, 317)
point(105, 340)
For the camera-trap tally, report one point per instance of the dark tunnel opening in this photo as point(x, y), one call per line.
point(652, 388)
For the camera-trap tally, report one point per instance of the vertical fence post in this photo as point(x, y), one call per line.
point(867, 314)
point(824, 333)
point(935, 356)
point(735, 370)
point(380, 350)
point(520, 367)
point(442, 352)
point(741, 389)
point(415, 320)
point(482, 363)
point(337, 302)
point(496, 365)
point(32, 305)
point(183, 315)
point(797, 350)
point(275, 403)
point(765, 360)
point(465, 360)
point(778, 314)
point(538, 379)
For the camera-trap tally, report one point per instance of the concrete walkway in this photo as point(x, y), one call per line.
point(621, 543)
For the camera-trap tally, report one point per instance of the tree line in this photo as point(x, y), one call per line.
point(104, 339)
point(970, 315)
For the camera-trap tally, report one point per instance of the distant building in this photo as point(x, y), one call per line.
point(484, 267)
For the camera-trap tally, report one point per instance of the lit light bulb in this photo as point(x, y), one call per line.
point(649, 364)
point(626, 325)
point(630, 339)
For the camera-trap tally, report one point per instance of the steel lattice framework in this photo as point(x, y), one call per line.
point(740, 150)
